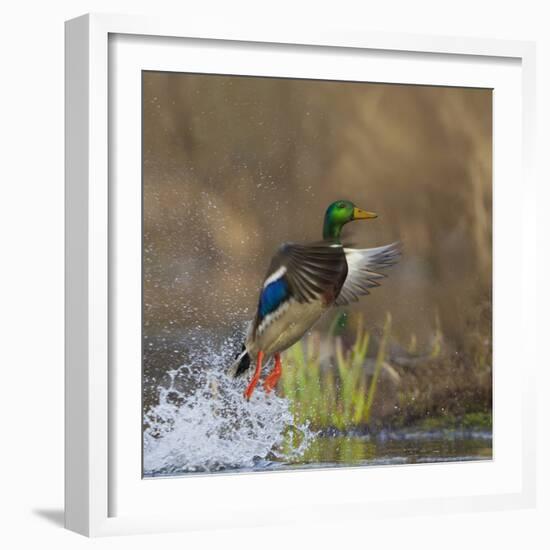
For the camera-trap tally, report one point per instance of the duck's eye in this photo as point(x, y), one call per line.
point(342, 205)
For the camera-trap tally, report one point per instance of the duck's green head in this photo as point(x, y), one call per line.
point(338, 214)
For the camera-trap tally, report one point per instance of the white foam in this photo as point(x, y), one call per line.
point(202, 423)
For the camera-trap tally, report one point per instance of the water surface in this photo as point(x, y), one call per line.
point(196, 421)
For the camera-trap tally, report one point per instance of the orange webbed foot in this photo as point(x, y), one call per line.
point(271, 381)
point(250, 388)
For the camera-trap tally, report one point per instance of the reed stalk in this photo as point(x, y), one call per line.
point(377, 368)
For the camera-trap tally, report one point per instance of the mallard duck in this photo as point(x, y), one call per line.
point(303, 281)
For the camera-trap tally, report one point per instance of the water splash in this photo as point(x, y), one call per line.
point(202, 423)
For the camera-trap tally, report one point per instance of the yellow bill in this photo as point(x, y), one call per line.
point(359, 214)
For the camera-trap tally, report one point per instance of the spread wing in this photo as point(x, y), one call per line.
point(313, 271)
point(306, 273)
point(363, 266)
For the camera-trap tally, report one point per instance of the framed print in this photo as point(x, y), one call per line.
point(288, 273)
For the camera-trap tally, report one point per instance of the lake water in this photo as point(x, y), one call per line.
point(385, 448)
point(196, 421)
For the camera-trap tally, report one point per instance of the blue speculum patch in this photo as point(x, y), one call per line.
point(273, 295)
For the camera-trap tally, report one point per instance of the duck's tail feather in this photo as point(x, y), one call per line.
point(241, 364)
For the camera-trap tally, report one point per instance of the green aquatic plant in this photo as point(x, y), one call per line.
point(339, 394)
point(332, 381)
point(377, 368)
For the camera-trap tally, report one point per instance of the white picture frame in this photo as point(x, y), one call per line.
point(104, 490)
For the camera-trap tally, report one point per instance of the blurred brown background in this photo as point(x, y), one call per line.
point(234, 166)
